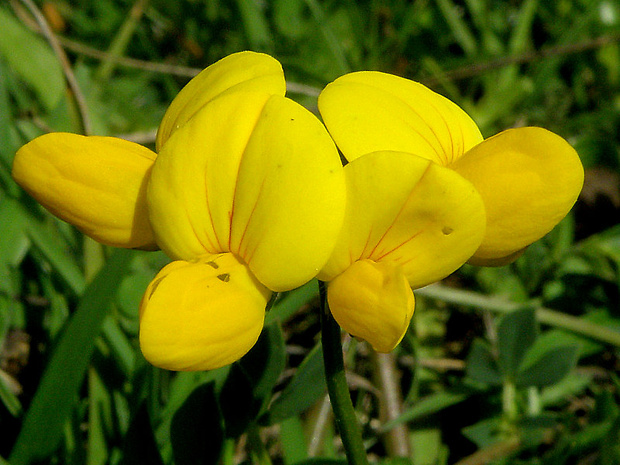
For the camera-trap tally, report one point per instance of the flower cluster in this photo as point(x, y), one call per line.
point(247, 195)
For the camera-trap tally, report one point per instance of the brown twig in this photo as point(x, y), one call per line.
point(323, 417)
point(121, 40)
point(397, 439)
point(493, 452)
point(127, 62)
point(141, 137)
point(438, 364)
point(64, 62)
point(477, 69)
point(460, 73)
point(501, 449)
point(164, 68)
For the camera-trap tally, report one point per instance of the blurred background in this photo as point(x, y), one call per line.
point(511, 365)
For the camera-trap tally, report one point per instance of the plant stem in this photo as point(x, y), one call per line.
point(121, 41)
point(509, 401)
point(580, 326)
point(51, 38)
point(257, 447)
point(337, 387)
point(534, 407)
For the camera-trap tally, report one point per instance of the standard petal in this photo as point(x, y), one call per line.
point(243, 71)
point(192, 185)
point(372, 301)
point(529, 179)
point(370, 111)
point(96, 183)
point(201, 315)
point(410, 211)
point(290, 196)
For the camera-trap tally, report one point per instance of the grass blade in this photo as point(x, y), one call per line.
point(55, 398)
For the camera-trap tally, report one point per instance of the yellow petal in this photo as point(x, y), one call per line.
point(290, 196)
point(372, 301)
point(529, 179)
point(193, 182)
point(201, 315)
point(407, 210)
point(252, 174)
point(243, 71)
point(370, 111)
point(96, 183)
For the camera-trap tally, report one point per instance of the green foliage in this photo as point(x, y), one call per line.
point(197, 428)
point(520, 360)
point(27, 55)
point(43, 426)
point(516, 333)
point(306, 387)
point(524, 363)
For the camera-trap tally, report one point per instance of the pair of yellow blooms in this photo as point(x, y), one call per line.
point(247, 195)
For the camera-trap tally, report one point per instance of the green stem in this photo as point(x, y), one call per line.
point(509, 401)
point(94, 258)
point(333, 42)
point(121, 41)
point(534, 407)
point(580, 326)
point(257, 447)
point(337, 387)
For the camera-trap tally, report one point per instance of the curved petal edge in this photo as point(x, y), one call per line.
point(242, 71)
point(529, 179)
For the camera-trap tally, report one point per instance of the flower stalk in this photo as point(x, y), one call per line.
point(337, 387)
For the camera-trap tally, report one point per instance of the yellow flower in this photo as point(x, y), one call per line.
point(426, 194)
point(246, 195)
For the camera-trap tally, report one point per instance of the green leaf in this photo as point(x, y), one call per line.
point(8, 136)
point(119, 345)
point(14, 244)
point(55, 398)
point(306, 387)
point(427, 406)
point(293, 440)
point(482, 366)
point(50, 243)
point(520, 39)
point(291, 302)
point(572, 385)
point(550, 368)
point(140, 446)
point(427, 446)
point(535, 430)
point(485, 432)
point(516, 333)
point(395, 461)
point(251, 380)
point(256, 25)
point(264, 363)
point(180, 388)
point(461, 32)
point(322, 461)
point(8, 398)
point(237, 402)
point(197, 431)
point(593, 435)
point(32, 59)
point(98, 401)
point(291, 17)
